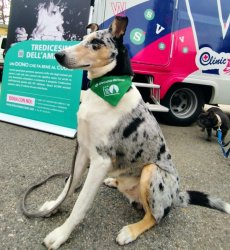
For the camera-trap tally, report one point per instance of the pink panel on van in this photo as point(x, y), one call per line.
point(181, 64)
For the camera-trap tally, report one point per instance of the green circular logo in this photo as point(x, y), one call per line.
point(149, 14)
point(161, 46)
point(114, 89)
point(185, 50)
point(137, 36)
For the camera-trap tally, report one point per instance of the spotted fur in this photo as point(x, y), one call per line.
point(135, 141)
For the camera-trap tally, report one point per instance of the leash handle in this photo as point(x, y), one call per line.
point(37, 214)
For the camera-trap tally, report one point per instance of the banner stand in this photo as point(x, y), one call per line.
point(37, 92)
point(42, 126)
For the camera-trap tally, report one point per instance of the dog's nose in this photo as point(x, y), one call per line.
point(60, 57)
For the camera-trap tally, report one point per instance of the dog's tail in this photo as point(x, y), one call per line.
point(202, 199)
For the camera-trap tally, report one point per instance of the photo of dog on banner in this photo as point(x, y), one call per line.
point(49, 20)
point(120, 140)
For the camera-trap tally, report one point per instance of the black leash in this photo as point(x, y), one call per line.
point(47, 213)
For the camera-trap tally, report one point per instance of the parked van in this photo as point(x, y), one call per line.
point(178, 47)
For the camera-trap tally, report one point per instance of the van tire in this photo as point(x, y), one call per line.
point(185, 103)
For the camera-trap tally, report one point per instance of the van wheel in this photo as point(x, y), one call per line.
point(184, 103)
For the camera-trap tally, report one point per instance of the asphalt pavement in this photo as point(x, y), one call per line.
point(28, 156)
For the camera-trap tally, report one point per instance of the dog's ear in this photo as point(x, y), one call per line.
point(93, 27)
point(118, 26)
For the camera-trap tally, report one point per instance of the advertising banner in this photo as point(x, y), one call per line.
point(36, 91)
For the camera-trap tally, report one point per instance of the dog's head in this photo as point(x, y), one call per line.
point(101, 52)
point(207, 119)
point(51, 8)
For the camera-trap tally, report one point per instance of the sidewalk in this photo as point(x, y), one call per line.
point(28, 156)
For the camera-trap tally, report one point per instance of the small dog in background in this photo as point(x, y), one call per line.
point(214, 118)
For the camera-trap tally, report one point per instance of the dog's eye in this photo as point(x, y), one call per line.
point(97, 43)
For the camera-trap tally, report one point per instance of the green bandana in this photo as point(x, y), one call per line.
point(111, 88)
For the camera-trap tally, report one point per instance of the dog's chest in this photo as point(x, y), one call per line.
point(96, 118)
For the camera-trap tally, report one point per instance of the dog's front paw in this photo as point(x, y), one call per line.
point(125, 236)
point(111, 182)
point(56, 238)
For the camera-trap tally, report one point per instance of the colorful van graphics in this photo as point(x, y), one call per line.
point(183, 44)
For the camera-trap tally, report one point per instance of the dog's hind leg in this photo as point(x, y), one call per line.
point(79, 167)
point(129, 186)
point(131, 232)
